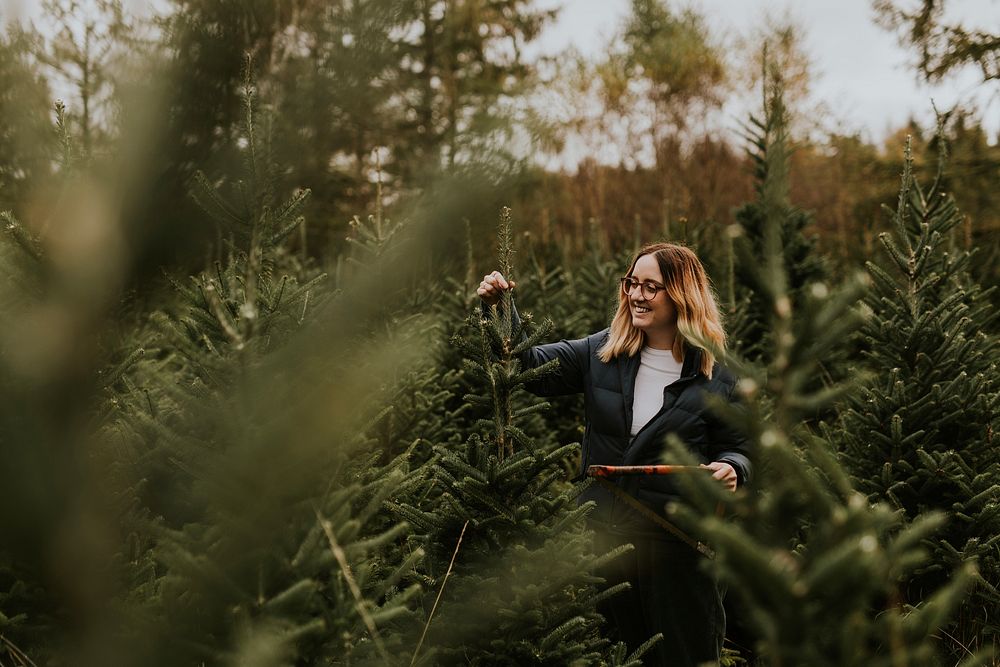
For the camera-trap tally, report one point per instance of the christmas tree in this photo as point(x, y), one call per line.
point(818, 566)
point(505, 539)
point(257, 512)
point(770, 153)
point(919, 435)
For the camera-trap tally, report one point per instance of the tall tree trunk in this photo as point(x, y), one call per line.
point(85, 88)
point(430, 62)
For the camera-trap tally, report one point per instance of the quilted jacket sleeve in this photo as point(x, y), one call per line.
point(730, 445)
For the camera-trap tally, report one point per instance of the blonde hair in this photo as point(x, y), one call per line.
point(690, 291)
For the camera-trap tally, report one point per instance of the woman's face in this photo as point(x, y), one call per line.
point(648, 314)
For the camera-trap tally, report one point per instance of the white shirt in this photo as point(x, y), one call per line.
point(657, 369)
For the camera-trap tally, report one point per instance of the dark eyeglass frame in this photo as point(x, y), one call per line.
point(649, 289)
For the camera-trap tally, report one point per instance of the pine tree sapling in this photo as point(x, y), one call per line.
point(770, 153)
point(920, 435)
point(521, 590)
point(817, 566)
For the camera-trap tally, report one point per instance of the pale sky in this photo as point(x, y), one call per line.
point(862, 76)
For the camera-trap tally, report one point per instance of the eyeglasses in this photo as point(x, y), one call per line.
point(649, 289)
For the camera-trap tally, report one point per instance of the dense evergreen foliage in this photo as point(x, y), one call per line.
point(244, 422)
point(920, 434)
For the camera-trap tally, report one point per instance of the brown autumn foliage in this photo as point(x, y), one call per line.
point(842, 181)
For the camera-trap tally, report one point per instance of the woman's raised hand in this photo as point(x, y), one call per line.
point(493, 285)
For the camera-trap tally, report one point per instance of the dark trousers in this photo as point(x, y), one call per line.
point(670, 594)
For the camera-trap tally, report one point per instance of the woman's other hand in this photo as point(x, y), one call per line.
point(493, 285)
point(723, 472)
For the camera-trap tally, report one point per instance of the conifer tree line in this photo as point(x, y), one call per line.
point(243, 426)
point(426, 85)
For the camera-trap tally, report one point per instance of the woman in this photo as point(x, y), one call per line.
point(642, 379)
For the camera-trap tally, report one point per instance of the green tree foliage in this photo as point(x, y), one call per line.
point(919, 436)
point(26, 136)
point(973, 165)
point(942, 47)
point(673, 52)
point(770, 154)
point(521, 550)
point(338, 98)
point(54, 298)
point(465, 59)
point(207, 41)
point(280, 455)
point(267, 543)
point(665, 67)
point(85, 49)
point(817, 565)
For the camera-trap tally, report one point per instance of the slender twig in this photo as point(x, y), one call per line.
point(341, 557)
point(20, 655)
point(440, 592)
point(954, 639)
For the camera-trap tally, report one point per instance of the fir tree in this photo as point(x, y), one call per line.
point(817, 565)
point(919, 435)
point(42, 487)
point(522, 562)
point(262, 522)
point(26, 137)
point(769, 152)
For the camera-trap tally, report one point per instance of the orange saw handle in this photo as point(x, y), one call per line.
point(618, 471)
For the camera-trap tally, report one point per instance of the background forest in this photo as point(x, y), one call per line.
point(250, 412)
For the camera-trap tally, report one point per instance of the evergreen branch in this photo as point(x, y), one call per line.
point(345, 568)
point(282, 233)
point(292, 597)
point(538, 372)
point(211, 203)
point(426, 521)
point(559, 634)
point(610, 591)
point(505, 247)
point(455, 510)
point(293, 205)
point(935, 612)
point(316, 627)
point(385, 614)
point(309, 543)
point(409, 564)
point(275, 304)
point(517, 436)
point(512, 469)
point(363, 547)
point(902, 261)
point(635, 660)
point(23, 239)
point(487, 500)
point(392, 484)
point(117, 372)
point(455, 464)
point(574, 516)
point(186, 292)
point(222, 316)
point(901, 213)
point(303, 290)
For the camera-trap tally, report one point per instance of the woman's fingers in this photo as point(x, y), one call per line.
point(724, 472)
point(492, 284)
point(496, 278)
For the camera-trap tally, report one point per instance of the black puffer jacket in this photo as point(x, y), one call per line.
point(608, 395)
